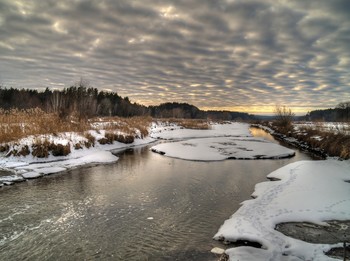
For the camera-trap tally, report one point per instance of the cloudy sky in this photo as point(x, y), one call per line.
point(216, 54)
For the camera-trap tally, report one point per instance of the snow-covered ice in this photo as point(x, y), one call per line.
point(223, 141)
point(307, 191)
point(221, 148)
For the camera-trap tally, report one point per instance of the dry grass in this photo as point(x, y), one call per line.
point(197, 124)
point(334, 144)
point(134, 126)
point(16, 124)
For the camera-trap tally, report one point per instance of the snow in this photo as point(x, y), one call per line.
point(217, 250)
point(307, 191)
point(222, 141)
point(31, 167)
point(210, 149)
point(175, 132)
point(31, 175)
point(334, 127)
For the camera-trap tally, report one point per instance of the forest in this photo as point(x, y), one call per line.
point(340, 113)
point(86, 102)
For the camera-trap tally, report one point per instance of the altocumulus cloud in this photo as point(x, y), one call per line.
point(225, 54)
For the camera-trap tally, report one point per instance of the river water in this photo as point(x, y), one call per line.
point(144, 207)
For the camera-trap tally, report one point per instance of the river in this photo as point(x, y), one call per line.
point(144, 207)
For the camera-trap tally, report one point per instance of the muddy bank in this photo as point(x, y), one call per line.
point(336, 232)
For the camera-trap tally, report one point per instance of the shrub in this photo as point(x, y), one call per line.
point(90, 140)
point(4, 148)
point(78, 146)
point(24, 151)
point(127, 139)
point(40, 151)
point(284, 117)
point(103, 141)
point(110, 137)
point(59, 149)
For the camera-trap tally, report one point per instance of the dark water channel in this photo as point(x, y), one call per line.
point(144, 207)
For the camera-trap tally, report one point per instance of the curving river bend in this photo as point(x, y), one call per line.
point(144, 207)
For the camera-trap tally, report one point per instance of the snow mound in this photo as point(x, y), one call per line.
point(307, 191)
point(221, 148)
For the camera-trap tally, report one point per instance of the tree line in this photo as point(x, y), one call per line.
point(340, 113)
point(86, 102)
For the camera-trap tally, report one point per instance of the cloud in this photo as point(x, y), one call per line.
point(222, 54)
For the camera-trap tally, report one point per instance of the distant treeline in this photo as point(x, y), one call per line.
point(340, 113)
point(85, 102)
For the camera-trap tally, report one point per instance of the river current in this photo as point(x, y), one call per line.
point(144, 207)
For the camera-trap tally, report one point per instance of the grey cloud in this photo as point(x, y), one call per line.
point(210, 53)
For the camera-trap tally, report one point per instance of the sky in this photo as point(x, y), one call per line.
point(239, 55)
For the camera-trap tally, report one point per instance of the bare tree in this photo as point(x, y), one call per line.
point(284, 116)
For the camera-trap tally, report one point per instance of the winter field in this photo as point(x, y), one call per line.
point(334, 127)
point(307, 191)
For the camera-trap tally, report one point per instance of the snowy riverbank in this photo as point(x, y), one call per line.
point(306, 191)
point(219, 142)
point(20, 168)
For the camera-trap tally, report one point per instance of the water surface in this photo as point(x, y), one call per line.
point(144, 207)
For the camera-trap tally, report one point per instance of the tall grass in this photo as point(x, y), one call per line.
point(134, 126)
point(198, 124)
point(334, 143)
point(16, 124)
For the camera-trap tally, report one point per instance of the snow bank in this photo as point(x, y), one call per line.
point(210, 149)
point(308, 191)
point(25, 170)
point(30, 167)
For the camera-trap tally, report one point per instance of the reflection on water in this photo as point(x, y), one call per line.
point(257, 132)
point(144, 207)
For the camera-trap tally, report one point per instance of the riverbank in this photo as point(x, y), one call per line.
point(210, 142)
point(304, 191)
point(323, 140)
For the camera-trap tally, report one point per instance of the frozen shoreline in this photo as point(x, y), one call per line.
point(29, 167)
point(306, 191)
point(221, 141)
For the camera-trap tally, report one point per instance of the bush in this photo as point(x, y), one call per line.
point(40, 151)
point(59, 149)
point(127, 139)
point(284, 117)
point(90, 140)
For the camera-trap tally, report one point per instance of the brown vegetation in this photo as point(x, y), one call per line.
point(135, 126)
point(317, 140)
point(334, 144)
point(197, 124)
point(284, 117)
point(16, 124)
